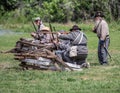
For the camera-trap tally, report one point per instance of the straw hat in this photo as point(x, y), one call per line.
point(45, 29)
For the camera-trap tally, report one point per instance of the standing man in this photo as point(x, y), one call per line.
point(102, 30)
point(39, 24)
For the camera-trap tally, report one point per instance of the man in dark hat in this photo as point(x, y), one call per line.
point(77, 52)
point(102, 30)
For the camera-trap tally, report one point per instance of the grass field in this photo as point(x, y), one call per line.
point(96, 79)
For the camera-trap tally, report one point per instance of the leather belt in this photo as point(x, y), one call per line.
point(107, 36)
point(80, 44)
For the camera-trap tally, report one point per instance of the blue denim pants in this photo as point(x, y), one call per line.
point(102, 53)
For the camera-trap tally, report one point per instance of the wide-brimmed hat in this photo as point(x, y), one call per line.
point(99, 14)
point(61, 31)
point(45, 29)
point(75, 27)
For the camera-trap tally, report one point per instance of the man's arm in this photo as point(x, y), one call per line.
point(66, 36)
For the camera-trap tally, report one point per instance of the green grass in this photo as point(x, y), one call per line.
point(96, 79)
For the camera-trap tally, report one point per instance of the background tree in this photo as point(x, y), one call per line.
point(59, 10)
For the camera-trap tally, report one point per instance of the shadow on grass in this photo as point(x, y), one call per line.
point(14, 68)
point(94, 64)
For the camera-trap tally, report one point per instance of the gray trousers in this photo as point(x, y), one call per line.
point(79, 59)
point(102, 53)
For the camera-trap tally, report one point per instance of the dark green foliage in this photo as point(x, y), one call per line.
point(8, 5)
point(59, 10)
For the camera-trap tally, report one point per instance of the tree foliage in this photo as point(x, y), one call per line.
point(60, 10)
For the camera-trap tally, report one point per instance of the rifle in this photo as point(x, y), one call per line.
point(51, 30)
point(34, 26)
point(108, 52)
point(52, 35)
point(54, 28)
point(36, 29)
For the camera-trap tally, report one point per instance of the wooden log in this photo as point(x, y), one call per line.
point(36, 56)
point(58, 59)
point(33, 67)
point(53, 32)
point(37, 45)
point(11, 50)
point(25, 66)
point(19, 58)
point(57, 67)
point(24, 39)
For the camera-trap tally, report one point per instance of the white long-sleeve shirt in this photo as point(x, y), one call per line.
point(102, 29)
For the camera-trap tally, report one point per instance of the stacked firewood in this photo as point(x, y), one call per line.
point(32, 54)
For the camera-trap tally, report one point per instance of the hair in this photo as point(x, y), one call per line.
point(99, 14)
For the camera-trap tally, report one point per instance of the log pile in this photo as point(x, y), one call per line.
point(37, 56)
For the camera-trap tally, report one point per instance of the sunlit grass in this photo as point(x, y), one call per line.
point(96, 79)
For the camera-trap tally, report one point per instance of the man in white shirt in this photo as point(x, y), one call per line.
point(102, 30)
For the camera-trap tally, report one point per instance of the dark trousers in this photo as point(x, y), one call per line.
point(66, 57)
point(102, 53)
point(59, 53)
point(80, 59)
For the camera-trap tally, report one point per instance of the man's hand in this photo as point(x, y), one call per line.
point(33, 34)
point(58, 33)
point(102, 42)
point(94, 30)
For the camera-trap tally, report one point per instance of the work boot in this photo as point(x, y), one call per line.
point(104, 64)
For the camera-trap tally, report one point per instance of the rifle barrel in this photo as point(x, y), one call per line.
point(34, 26)
point(51, 30)
point(107, 52)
